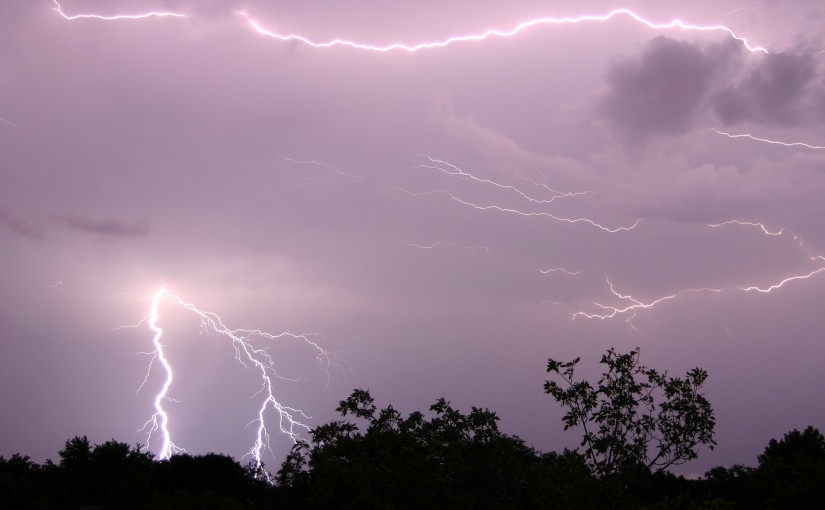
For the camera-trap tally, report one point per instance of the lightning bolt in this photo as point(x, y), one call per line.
point(412, 48)
point(452, 170)
point(288, 418)
point(765, 140)
point(510, 210)
point(321, 164)
point(516, 30)
point(160, 420)
point(634, 305)
point(8, 123)
point(150, 14)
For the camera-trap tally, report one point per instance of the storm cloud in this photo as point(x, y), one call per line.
point(18, 224)
point(662, 90)
point(781, 90)
point(444, 220)
point(673, 86)
point(105, 227)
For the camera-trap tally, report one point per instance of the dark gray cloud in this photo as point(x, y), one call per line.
point(107, 228)
point(673, 84)
point(777, 91)
point(661, 90)
point(18, 224)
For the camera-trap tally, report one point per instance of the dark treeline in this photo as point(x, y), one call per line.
point(636, 423)
point(451, 460)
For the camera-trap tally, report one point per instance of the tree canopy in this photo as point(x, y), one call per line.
point(636, 422)
point(635, 419)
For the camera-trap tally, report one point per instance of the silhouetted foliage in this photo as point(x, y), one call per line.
point(448, 459)
point(636, 419)
point(792, 470)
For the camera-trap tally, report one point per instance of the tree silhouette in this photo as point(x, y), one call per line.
point(636, 419)
point(792, 470)
point(449, 460)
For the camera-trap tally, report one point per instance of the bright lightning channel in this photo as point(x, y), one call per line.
point(765, 140)
point(676, 23)
point(636, 305)
point(493, 207)
point(454, 171)
point(289, 418)
point(411, 48)
point(150, 14)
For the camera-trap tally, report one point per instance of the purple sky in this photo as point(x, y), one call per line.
point(288, 187)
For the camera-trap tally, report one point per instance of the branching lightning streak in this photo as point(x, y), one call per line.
point(249, 356)
point(411, 48)
point(765, 290)
point(8, 123)
point(150, 14)
point(524, 213)
point(636, 305)
point(676, 23)
point(764, 229)
point(765, 140)
point(542, 270)
point(321, 164)
point(453, 170)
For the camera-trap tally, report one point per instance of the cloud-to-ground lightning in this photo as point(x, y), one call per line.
point(248, 354)
point(765, 140)
point(502, 33)
point(150, 14)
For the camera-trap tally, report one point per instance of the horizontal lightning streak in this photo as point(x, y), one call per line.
point(436, 244)
point(523, 213)
point(501, 33)
point(321, 164)
point(765, 140)
point(776, 233)
point(150, 14)
point(453, 170)
point(636, 305)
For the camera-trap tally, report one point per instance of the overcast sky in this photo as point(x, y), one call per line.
point(444, 219)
